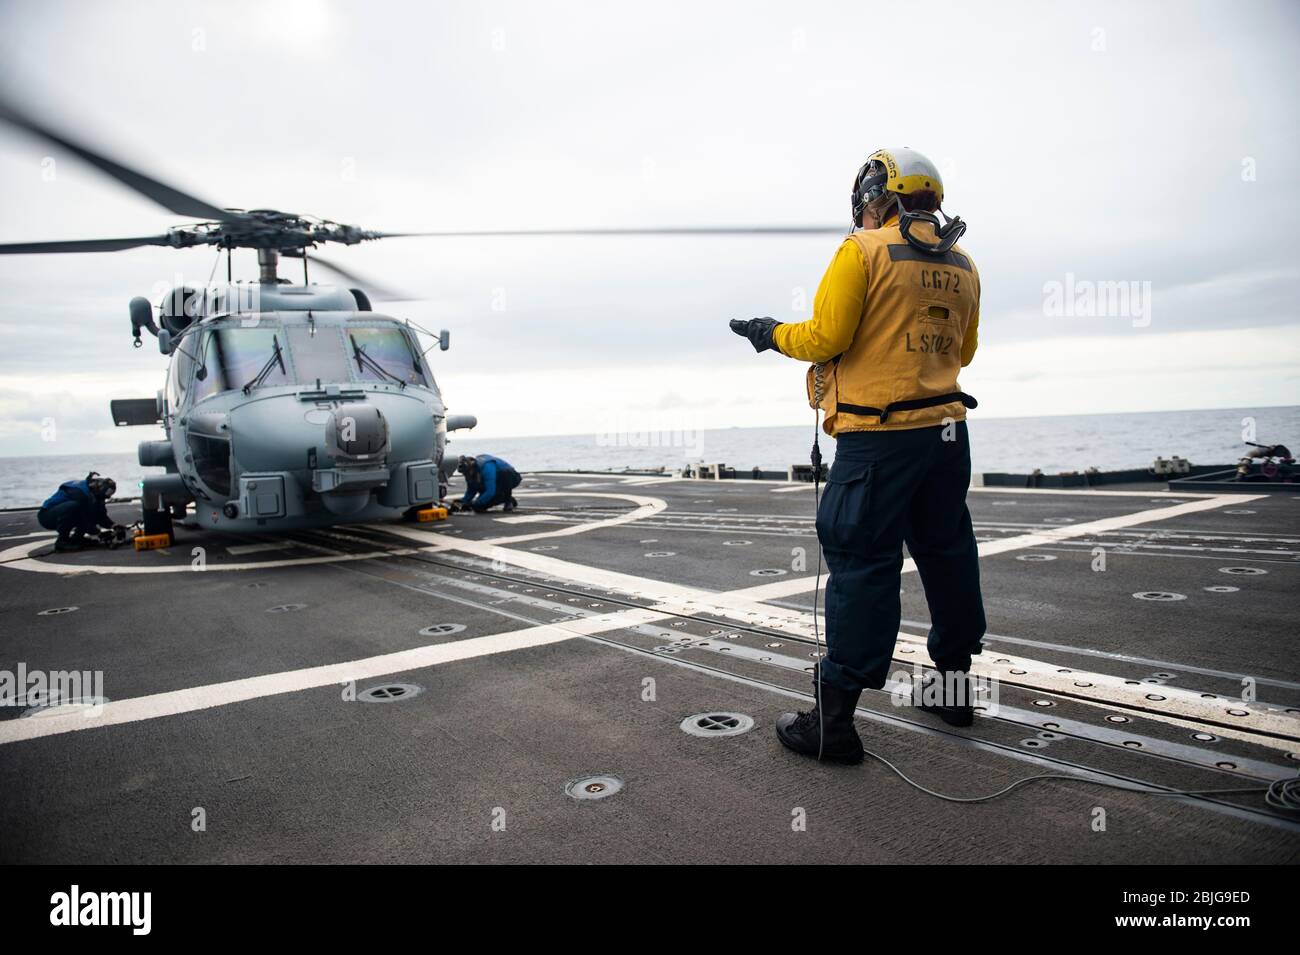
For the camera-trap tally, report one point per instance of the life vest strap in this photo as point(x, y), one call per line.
point(911, 404)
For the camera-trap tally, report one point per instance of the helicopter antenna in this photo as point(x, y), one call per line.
point(230, 277)
point(215, 263)
point(304, 268)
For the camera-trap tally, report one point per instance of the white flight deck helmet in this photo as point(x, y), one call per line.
point(903, 171)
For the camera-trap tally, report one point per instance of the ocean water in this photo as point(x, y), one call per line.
point(1014, 445)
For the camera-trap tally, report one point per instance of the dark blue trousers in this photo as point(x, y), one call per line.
point(67, 518)
point(507, 481)
point(887, 488)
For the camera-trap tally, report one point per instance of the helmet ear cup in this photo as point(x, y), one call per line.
point(101, 487)
point(868, 184)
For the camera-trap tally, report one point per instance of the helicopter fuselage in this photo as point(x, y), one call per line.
point(305, 412)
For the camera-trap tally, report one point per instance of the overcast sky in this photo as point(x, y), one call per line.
point(1130, 142)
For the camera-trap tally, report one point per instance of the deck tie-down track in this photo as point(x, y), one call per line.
point(661, 629)
point(1273, 726)
point(1258, 725)
point(492, 582)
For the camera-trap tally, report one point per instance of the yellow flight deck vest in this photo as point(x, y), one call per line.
point(915, 330)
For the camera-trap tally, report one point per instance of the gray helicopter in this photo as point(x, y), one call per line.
point(287, 406)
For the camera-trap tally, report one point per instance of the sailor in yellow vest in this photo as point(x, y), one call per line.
point(893, 322)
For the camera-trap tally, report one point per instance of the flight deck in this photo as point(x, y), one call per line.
point(595, 678)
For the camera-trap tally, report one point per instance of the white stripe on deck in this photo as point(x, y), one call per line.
point(174, 702)
point(1052, 535)
point(741, 605)
point(19, 557)
point(238, 550)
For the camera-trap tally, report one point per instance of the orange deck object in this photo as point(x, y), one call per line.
point(152, 541)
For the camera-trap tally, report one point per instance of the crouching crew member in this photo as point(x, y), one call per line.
point(489, 481)
point(76, 509)
point(893, 322)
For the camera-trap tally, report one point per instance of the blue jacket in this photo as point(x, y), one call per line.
point(92, 512)
point(489, 470)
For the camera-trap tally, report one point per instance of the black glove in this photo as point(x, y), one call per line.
point(758, 331)
point(458, 506)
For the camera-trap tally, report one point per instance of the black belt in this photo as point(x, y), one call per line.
point(912, 404)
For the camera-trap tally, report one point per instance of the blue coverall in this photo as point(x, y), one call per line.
point(494, 481)
point(73, 507)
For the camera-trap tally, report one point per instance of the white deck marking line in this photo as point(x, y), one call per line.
point(527, 519)
point(740, 606)
point(1090, 492)
point(646, 507)
point(239, 550)
point(797, 585)
point(787, 490)
point(1179, 707)
point(674, 598)
point(189, 700)
point(982, 489)
point(18, 557)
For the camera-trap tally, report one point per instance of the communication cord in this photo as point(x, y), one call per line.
point(1280, 794)
point(816, 459)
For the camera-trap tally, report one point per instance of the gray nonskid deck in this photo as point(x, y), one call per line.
point(566, 644)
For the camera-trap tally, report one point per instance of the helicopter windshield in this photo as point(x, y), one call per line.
point(318, 354)
point(384, 354)
point(233, 357)
point(228, 358)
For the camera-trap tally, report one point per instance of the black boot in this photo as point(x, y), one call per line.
point(803, 732)
point(510, 504)
point(65, 544)
point(947, 694)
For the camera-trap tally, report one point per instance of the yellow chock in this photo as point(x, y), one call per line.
point(428, 514)
point(152, 541)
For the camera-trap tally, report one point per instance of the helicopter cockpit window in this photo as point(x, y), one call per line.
point(176, 381)
point(384, 354)
point(230, 358)
point(318, 354)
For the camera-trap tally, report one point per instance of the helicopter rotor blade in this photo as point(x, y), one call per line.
point(658, 230)
point(82, 245)
point(169, 197)
point(376, 291)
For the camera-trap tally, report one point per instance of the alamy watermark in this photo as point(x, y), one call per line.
point(951, 688)
point(618, 432)
point(31, 688)
point(1084, 298)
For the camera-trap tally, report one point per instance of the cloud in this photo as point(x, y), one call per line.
point(1114, 156)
